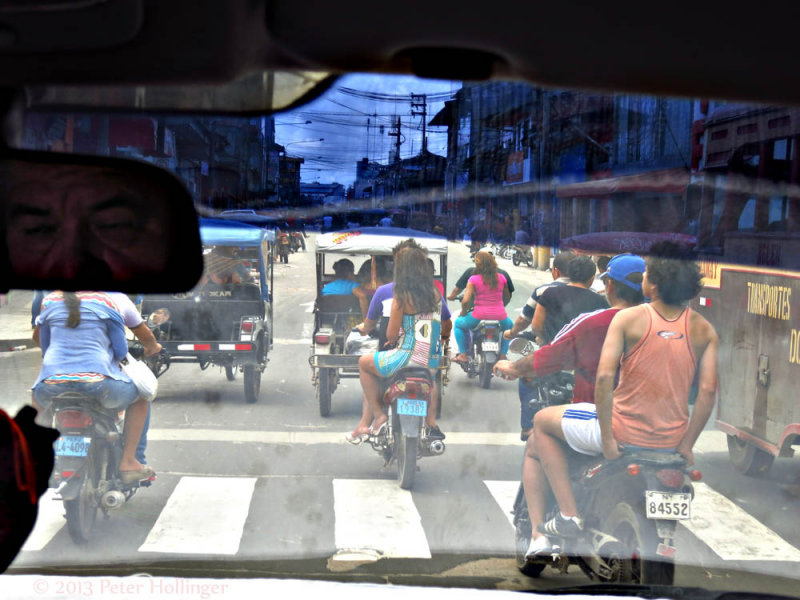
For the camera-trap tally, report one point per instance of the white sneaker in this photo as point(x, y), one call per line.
point(538, 547)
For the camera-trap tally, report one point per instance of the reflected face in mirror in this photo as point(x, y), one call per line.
point(66, 220)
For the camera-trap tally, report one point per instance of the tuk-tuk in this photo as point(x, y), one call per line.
point(336, 316)
point(226, 320)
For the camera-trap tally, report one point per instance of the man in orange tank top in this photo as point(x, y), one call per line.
point(659, 348)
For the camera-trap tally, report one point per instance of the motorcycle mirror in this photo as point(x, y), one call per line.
point(158, 317)
point(520, 345)
point(87, 223)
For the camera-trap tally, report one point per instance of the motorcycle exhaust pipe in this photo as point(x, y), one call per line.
point(113, 499)
point(437, 447)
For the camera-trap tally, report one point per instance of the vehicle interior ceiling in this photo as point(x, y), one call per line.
point(562, 45)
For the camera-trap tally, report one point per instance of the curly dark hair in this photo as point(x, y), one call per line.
point(486, 267)
point(673, 269)
point(413, 281)
point(581, 269)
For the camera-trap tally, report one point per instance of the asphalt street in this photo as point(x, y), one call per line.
point(274, 484)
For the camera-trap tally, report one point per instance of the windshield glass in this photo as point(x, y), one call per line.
point(284, 443)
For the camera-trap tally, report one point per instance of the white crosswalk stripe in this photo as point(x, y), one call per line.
point(204, 515)
point(504, 493)
point(376, 519)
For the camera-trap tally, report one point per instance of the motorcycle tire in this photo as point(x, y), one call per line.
point(81, 513)
point(439, 394)
point(748, 459)
point(405, 454)
point(252, 383)
point(485, 374)
point(515, 259)
point(522, 537)
point(324, 392)
point(230, 372)
point(640, 539)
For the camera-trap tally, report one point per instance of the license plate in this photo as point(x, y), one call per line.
point(670, 506)
point(490, 346)
point(72, 445)
point(415, 408)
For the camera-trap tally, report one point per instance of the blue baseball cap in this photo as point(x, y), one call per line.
point(623, 265)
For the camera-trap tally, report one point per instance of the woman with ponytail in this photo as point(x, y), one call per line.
point(82, 337)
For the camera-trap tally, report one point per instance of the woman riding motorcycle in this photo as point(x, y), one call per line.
point(82, 337)
point(488, 288)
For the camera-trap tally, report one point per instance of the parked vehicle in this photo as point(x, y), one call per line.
point(226, 324)
point(522, 254)
point(335, 316)
point(87, 454)
point(406, 396)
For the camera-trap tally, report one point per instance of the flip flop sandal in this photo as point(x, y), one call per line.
point(356, 439)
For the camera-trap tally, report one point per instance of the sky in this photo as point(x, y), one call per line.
point(340, 117)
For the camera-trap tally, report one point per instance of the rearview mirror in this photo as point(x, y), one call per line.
point(85, 223)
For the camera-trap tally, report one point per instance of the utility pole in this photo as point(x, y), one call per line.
point(420, 101)
point(395, 132)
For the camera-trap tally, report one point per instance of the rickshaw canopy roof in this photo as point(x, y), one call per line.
point(377, 240)
point(216, 232)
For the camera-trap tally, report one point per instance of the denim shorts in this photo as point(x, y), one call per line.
point(112, 394)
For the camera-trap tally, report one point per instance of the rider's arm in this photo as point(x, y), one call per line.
point(146, 337)
point(454, 294)
point(538, 319)
point(466, 302)
point(610, 355)
point(447, 328)
point(363, 300)
point(706, 395)
point(116, 332)
point(506, 294)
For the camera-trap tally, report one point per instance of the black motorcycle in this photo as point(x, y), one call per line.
point(522, 254)
point(406, 396)
point(630, 507)
point(87, 454)
point(483, 352)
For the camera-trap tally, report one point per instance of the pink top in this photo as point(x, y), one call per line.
point(488, 301)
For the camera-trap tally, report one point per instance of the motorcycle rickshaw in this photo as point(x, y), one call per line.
point(336, 316)
point(226, 320)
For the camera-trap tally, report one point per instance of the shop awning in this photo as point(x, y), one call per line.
point(669, 181)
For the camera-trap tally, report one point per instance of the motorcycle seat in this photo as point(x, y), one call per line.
point(411, 373)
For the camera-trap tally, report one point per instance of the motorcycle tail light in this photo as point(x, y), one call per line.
point(68, 474)
point(322, 338)
point(633, 469)
point(670, 477)
point(247, 327)
point(695, 475)
point(73, 419)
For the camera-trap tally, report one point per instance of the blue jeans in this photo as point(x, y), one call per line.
point(464, 325)
point(527, 391)
point(142, 445)
point(113, 394)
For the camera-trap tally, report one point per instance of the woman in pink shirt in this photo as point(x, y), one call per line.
point(488, 288)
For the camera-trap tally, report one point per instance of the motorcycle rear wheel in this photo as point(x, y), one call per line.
point(515, 259)
point(82, 511)
point(324, 392)
point(640, 540)
point(405, 454)
point(485, 374)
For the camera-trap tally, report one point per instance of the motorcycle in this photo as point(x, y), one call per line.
point(483, 352)
point(406, 396)
point(630, 508)
point(522, 254)
point(87, 454)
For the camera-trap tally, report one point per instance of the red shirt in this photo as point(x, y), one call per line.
point(577, 347)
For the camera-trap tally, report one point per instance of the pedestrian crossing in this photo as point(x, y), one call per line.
point(368, 520)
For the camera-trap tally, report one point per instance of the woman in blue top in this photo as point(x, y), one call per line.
point(345, 284)
point(82, 337)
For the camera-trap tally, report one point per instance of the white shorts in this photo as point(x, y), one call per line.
point(582, 429)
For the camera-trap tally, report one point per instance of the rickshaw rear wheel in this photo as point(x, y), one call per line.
point(230, 372)
point(252, 383)
point(324, 392)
